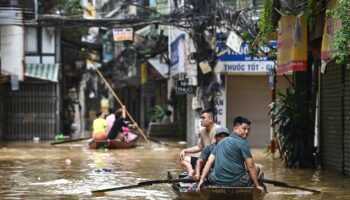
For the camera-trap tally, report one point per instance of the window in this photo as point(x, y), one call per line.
point(48, 40)
point(31, 39)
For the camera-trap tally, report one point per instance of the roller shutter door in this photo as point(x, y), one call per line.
point(331, 115)
point(30, 111)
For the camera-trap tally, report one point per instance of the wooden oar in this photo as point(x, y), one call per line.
point(286, 185)
point(142, 184)
point(68, 141)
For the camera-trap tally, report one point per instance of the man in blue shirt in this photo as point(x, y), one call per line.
point(220, 133)
point(232, 159)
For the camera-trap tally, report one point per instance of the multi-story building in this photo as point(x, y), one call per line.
point(30, 59)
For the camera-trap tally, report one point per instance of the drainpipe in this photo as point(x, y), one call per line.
point(272, 81)
point(58, 90)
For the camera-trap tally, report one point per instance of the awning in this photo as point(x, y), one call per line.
point(42, 71)
point(152, 30)
point(160, 67)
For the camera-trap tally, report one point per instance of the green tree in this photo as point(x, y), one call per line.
point(341, 41)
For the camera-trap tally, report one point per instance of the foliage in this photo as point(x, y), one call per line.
point(65, 7)
point(156, 114)
point(314, 9)
point(71, 7)
point(266, 29)
point(341, 41)
point(265, 21)
point(292, 122)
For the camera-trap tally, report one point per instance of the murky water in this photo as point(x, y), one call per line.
point(31, 170)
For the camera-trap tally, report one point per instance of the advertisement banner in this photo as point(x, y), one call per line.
point(144, 71)
point(292, 44)
point(123, 34)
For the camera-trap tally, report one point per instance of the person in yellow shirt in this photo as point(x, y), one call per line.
point(99, 127)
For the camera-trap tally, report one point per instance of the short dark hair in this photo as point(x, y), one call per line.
point(118, 113)
point(98, 114)
point(168, 112)
point(240, 120)
point(209, 111)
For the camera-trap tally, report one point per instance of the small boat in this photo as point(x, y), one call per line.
point(111, 144)
point(215, 193)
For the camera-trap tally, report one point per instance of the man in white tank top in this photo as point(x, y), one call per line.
point(207, 136)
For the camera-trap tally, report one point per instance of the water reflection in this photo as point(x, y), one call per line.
point(40, 171)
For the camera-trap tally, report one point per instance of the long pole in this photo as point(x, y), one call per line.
point(272, 82)
point(144, 183)
point(121, 104)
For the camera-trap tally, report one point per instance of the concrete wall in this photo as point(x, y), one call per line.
point(12, 50)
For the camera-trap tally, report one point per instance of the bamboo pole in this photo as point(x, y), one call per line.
point(121, 104)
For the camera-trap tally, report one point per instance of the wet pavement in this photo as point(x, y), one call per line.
point(38, 170)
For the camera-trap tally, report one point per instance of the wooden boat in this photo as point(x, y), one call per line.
point(216, 193)
point(111, 144)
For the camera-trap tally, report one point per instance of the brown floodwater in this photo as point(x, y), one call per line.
point(38, 170)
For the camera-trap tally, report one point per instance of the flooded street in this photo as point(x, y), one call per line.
point(31, 170)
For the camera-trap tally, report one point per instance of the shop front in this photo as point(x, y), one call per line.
point(246, 91)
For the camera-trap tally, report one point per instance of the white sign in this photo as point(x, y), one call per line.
point(14, 83)
point(246, 66)
point(123, 34)
point(234, 41)
point(220, 103)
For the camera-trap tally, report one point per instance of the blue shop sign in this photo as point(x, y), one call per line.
point(174, 48)
point(231, 61)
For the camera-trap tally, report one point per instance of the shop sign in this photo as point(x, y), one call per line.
point(292, 44)
point(123, 34)
point(241, 61)
point(220, 104)
point(175, 51)
point(182, 87)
